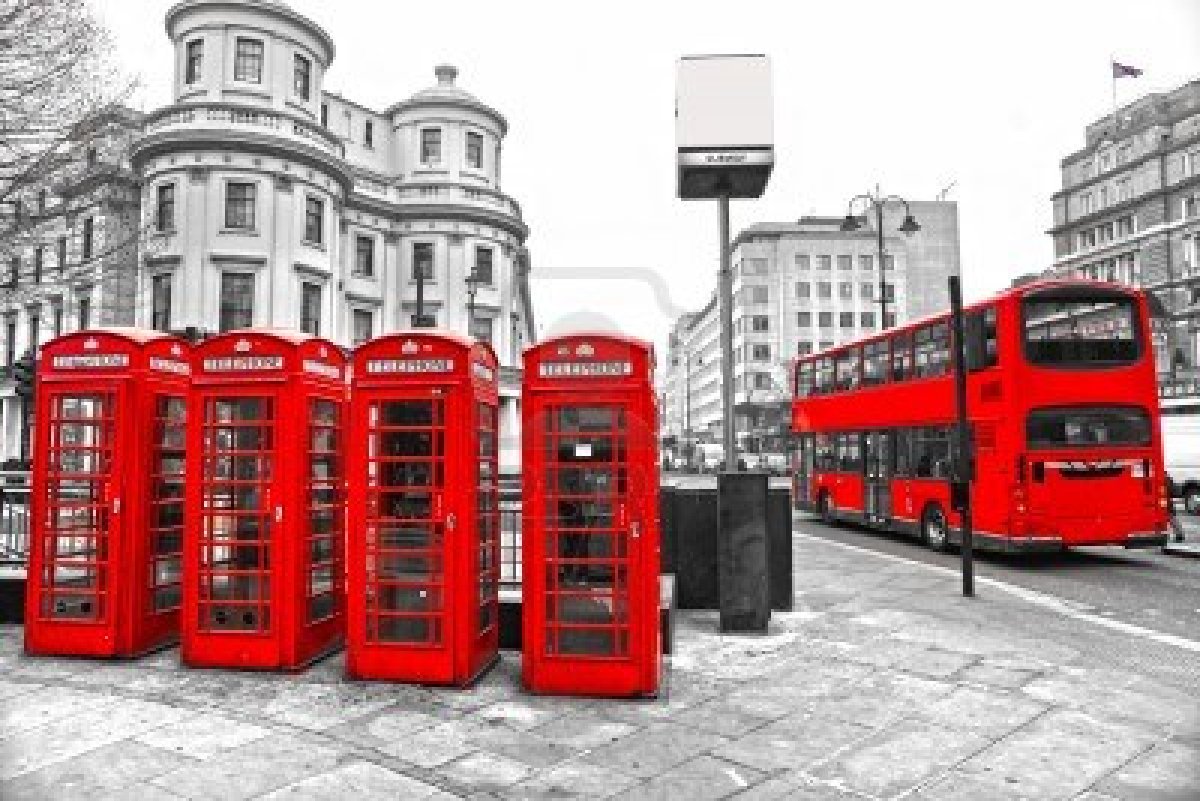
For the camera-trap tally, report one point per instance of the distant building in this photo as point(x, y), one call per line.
point(799, 288)
point(1129, 212)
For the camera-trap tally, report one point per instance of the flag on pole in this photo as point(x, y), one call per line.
point(1124, 71)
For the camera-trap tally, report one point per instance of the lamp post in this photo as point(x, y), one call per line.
point(876, 202)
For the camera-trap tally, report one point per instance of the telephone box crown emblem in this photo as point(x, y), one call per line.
point(585, 349)
point(242, 345)
point(409, 346)
point(90, 343)
point(176, 350)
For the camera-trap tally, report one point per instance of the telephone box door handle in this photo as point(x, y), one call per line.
point(278, 514)
point(635, 530)
point(116, 505)
point(451, 521)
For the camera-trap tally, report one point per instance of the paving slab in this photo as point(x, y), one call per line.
point(361, 781)
point(699, 779)
point(1167, 772)
point(98, 773)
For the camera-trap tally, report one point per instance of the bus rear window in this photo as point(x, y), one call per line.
point(1080, 331)
point(1087, 426)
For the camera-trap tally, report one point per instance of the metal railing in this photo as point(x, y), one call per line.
point(232, 115)
point(510, 538)
point(14, 516)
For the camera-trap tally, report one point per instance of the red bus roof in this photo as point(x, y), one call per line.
point(1016, 291)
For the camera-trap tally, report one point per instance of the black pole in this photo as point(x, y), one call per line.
point(882, 284)
point(420, 296)
point(963, 461)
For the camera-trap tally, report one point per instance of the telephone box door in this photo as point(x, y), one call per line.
point(238, 442)
point(407, 526)
point(82, 505)
point(593, 561)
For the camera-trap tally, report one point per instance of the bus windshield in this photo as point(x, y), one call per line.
point(1081, 331)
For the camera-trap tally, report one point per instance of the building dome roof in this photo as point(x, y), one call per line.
point(445, 88)
point(445, 92)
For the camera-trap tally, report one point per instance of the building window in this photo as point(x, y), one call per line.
point(62, 254)
point(889, 263)
point(867, 319)
point(302, 77)
point(802, 261)
point(248, 61)
point(759, 294)
point(431, 145)
point(475, 151)
point(481, 329)
point(237, 301)
point(10, 342)
point(310, 308)
point(160, 302)
point(314, 218)
point(824, 262)
point(239, 206)
point(165, 212)
point(1191, 206)
point(422, 266)
point(89, 227)
point(195, 60)
point(755, 267)
point(846, 320)
point(846, 290)
point(760, 352)
point(866, 263)
point(35, 332)
point(889, 292)
point(803, 290)
point(364, 257)
point(762, 381)
point(14, 271)
point(845, 263)
point(804, 348)
point(866, 291)
point(85, 313)
point(824, 289)
point(804, 319)
point(41, 196)
point(91, 158)
point(57, 311)
point(369, 133)
point(825, 320)
point(364, 326)
point(889, 320)
point(760, 323)
point(483, 266)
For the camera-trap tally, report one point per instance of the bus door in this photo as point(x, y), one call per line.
point(803, 464)
point(877, 476)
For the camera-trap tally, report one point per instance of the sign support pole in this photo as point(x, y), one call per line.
point(725, 281)
point(963, 462)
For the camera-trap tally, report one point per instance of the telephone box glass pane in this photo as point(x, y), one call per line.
point(404, 537)
point(166, 502)
point(587, 581)
point(235, 535)
point(487, 567)
point(324, 510)
point(74, 581)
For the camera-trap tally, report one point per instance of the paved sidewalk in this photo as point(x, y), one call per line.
point(882, 683)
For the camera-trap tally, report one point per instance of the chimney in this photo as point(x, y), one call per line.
point(445, 74)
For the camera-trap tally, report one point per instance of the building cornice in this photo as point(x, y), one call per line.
point(403, 212)
point(170, 141)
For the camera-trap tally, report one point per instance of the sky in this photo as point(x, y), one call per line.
point(980, 100)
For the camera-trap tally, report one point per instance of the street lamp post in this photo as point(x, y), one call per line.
point(472, 281)
point(876, 202)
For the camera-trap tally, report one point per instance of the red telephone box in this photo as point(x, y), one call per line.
point(590, 540)
point(263, 555)
point(108, 467)
point(424, 548)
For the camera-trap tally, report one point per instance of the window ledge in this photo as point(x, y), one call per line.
point(239, 232)
point(165, 231)
point(372, 277)
point(308, 243)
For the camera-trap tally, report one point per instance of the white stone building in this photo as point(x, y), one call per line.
point(272, 203)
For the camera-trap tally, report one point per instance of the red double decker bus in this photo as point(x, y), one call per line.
point(1064, 418)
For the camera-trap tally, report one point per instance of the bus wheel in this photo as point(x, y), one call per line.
point(825, 508)
point(934, 529)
